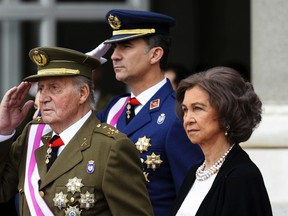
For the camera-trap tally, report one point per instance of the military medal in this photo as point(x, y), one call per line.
point(73, 211)
point(48, 155)
point(161, 118)
point(60, 200)
point(128, 112)
point(87, 200)
point(131, 104)
point(153, 161)
point(90, 166)
point(74, 185)
point(143, 144)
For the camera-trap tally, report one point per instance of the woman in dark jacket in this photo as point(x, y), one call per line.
point(219, 111)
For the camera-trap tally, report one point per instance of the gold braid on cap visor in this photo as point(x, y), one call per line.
point(57, 71)
point(134, 31)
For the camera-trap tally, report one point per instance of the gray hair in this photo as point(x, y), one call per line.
point(81, 81)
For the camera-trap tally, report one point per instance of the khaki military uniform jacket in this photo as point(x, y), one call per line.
point(117, 180)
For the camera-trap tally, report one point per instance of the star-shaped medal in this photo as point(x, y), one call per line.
point(73, 211)
point(153, 161)
point(143, 144)
point(60, 200)
point(87, 200)
point(74, 185)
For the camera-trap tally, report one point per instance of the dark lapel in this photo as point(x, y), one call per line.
point(69, 157)
point(144, 116)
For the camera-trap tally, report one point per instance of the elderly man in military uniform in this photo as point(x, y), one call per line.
point(81, 167)
point(141, 44)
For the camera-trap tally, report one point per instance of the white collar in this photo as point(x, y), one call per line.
point(69, 133)
point(145, 96)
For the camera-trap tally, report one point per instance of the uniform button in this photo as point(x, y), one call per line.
point(41, 193)
point(21, 190)
point(72, 200)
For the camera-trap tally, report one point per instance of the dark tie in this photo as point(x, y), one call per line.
point(130, 113)
point(53, 146)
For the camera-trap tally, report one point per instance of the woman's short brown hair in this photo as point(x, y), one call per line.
point(239, 108)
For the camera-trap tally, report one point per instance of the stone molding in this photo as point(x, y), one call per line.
point(272, 132)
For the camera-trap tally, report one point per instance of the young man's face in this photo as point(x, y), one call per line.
point(131, 60)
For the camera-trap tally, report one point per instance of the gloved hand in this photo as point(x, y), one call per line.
point(99, 52)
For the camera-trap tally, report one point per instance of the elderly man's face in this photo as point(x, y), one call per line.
point(60, 102)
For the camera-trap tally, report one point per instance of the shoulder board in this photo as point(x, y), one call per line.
point(107, 129)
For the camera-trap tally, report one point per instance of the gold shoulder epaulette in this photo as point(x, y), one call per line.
point(107, 129)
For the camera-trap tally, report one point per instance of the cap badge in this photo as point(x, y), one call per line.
point(143, 144)
point(40, 57)
point(114, 22)
point(153, 161)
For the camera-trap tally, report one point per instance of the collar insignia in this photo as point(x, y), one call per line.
point(154, 104)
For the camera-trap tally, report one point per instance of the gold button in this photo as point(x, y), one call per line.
point(72, 200)
point(41, 193)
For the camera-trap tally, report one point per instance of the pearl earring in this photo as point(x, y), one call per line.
point(227, 129)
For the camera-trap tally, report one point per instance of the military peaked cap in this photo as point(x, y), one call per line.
point(58, 61)
point(130, 24)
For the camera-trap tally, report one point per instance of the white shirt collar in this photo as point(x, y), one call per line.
point(69, 133)
point(145, 96)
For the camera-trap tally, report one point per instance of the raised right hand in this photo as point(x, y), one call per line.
point(12, 110)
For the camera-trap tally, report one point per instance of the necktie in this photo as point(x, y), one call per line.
point(53, 146)
point(130, 113)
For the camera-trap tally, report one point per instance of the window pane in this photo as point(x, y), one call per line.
point(95, 1)
point(29, 0)
point(29, 40)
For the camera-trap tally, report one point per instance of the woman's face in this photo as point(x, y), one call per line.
point(200, 119)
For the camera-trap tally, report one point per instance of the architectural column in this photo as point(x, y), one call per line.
point(10, 48)
point(268, 146)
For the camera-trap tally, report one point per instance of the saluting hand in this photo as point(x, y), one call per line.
point(12, 110)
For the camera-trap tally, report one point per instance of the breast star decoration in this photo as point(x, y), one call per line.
point(60, 200)
point(74, 185)
point(153, 161)
point(143, 144)
point(87, 200)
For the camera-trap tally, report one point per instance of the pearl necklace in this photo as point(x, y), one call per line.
point(202, 174)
